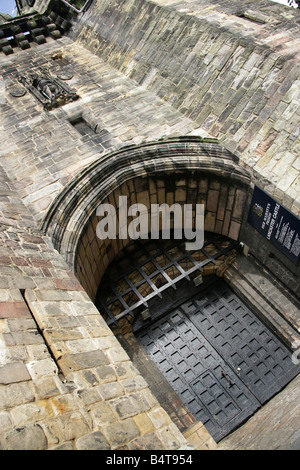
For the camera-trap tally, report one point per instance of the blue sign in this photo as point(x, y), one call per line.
point(275, 223)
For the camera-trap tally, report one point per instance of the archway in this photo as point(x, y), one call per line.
point(186, 170)
point(182, 171)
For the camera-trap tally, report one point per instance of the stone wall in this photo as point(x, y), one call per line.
point(43, 151)
point(234, 73)
point(65, 381)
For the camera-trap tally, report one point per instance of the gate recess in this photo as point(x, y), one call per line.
point(145, 269)
point(220, 359)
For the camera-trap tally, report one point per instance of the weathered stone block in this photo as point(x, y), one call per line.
point(46, 387)
point(21, 324)
point(22, 338)
point(102, 414)
point(13, 372)
point(127, 406)
point(65, 446)
point(88, 396)
point(93, 441)
point(135, 383)
point(148, 442)
point(121, 433)
point(15, 394)
point(144, 423)
point(31, 413)
point(117, 355)
point(169, 440)
point(159, 418)
point(31, 437)
point(83, 360)
point(62, 335)
point(14, 310)
point(42, 368)
point(66, 427)
point(106, 374)
point(5, 422)
point(111, 390)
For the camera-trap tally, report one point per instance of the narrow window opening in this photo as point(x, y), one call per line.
point(82, 127)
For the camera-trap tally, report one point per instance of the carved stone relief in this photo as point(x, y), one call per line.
point(51, 91)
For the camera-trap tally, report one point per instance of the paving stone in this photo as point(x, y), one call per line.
point(117, 355)
point(37, 352)
point(62, 334)
point(88, 396)
point(90, 377)
point(31, 412)
point(134, 384)
point(166, 436)
point(22, 338)
point(102, 414)
point(5, 422)
point(65, 446)
point(42, 368)
point(148, 442)
point(66, 427)
point(110, 390)
point(106, 374)
point(159, 418)
point(21, 324)
point(144, 423)
point(46, 387)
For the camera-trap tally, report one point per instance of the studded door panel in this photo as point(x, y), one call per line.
point(256, 355)
point(221, 360)
point(200, 377)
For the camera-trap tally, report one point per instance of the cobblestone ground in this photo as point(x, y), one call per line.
point(275, 427)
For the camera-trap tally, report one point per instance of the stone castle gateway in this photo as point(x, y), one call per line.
point(114, 344)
